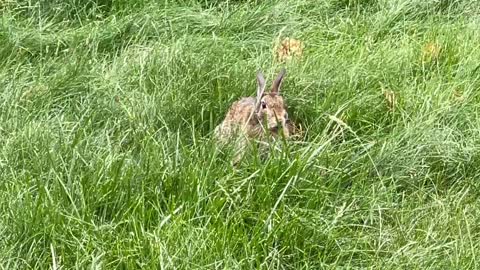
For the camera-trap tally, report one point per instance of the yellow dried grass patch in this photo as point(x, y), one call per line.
point(288, 49)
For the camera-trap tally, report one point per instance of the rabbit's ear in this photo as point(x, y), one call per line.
point(260, 88)
point(278, 81)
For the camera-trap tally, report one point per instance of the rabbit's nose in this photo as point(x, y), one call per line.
point(274, 129)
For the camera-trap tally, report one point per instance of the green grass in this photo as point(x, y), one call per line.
point(107, 110)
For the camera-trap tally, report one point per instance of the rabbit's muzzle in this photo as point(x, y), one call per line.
point(274, 129)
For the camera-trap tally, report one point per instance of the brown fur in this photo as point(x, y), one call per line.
point(256, 118)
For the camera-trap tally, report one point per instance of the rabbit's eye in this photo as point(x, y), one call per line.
point(264, 105)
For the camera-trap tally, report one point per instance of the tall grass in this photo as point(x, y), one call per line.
point(107, 110)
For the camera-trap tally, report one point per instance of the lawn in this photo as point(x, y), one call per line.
point(107, 159)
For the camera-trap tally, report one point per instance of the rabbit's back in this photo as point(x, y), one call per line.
point(240, 117)
point(241, 110)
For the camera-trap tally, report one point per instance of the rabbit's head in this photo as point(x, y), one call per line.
point(270, 108)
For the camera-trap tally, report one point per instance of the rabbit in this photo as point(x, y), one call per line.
point(255, 118)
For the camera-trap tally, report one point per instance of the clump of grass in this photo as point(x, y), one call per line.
point(107, 160)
